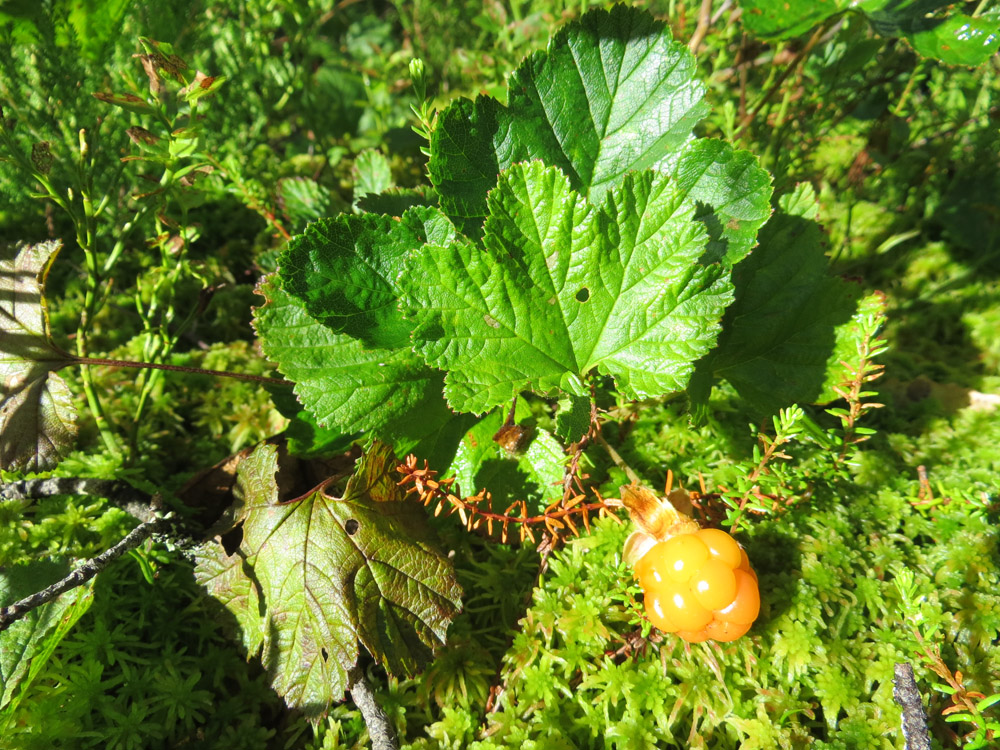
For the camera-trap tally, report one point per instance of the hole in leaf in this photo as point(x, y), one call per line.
point(326, 656)
point(351, 527)
point(232, 539)
point(583, 295)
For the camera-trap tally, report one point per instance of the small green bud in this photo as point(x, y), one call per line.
point(416, 69)
point(418, 76)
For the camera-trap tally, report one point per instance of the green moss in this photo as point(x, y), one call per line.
point(818, 662)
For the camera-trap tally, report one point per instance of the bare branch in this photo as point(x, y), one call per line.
point(704, 20)
point(381, 732)
point(82, 574)
point(914, 719)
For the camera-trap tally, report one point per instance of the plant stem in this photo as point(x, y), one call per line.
point(704, 20)
point(914, 77)
point(619, 461)
point(381, 732)
point(99, 361)
point(770, 156)
point(773, 86)
point(159, 343)
point(86, 238)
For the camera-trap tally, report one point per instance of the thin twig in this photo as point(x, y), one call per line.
point(722, 9)
point(82, 574)
point(704, 21)
point(178, 368)
point(792, 66)
point(619, 461)
point(914, 722)
point(381, 732)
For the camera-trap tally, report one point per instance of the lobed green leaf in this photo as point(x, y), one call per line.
point(560, 288)
point(612, 93)
point(345, 270)
point(780, 342)
point(341, 382)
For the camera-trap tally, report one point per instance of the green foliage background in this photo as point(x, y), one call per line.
point(902, 152)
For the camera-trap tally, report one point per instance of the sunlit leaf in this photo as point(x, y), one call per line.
point(560, 288)
point(933, 27)
point(316, 575)
point(372, 174)
point(612, 93)
point(303, 200)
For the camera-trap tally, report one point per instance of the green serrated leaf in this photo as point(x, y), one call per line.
point(932, 26)
point(935, 29)
point(612, 93)
point(560, 288)
point(958, 39)
point(336, 378)
point(800, 202)
point(781, 331)
point(572, 418)
point(784, 19)
point(303, 200)
point(433, 436)
point(396, 201)
point(316, 575)
point(372, 174)
point(533, 475)
point(27, 644)
point(37, 416)
point(633, 85)
point(467, 147)
point(732, 192)
point(345, 271)
point(305, 437)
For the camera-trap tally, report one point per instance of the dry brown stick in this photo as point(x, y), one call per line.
point(704, 20)
point(914, 723)
point(82, 574)
point(381, 732)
